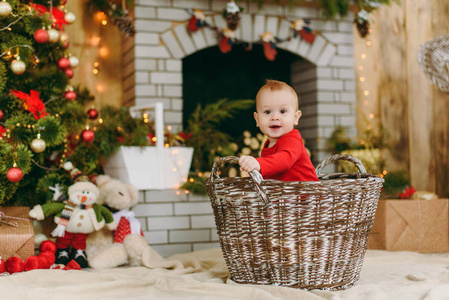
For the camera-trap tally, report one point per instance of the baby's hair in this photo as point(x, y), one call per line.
point(275, 85)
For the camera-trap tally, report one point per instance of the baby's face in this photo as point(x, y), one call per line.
point(277, 113)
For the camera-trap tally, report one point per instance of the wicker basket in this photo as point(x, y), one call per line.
point(433, 58)
point(308, 235)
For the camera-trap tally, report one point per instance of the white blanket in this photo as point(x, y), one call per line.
point(203, 275)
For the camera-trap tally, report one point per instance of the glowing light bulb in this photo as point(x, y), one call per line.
point(103, 52)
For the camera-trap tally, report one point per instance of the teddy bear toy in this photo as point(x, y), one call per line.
point(76, 218)
point(126, 245)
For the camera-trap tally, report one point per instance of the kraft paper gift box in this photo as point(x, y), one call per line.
point(16, 241)
point(411, 225)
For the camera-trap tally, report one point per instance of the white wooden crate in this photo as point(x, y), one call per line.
point(149, 167)
point(152, 167)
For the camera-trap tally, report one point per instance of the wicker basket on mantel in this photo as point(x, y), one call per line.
point(308, 235)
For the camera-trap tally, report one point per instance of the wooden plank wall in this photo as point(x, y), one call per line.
point(106, 86)
point(414, 112)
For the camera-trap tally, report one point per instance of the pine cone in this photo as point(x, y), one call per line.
point(233, 20)
point(125, 25)
point(362, 27)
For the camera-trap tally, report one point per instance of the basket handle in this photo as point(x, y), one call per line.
point(337, 157)
point(255, 175)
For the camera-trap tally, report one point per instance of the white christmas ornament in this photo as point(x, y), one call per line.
point(18, 66)
point(5, 9)
point(70, 17)
point(53, 35)
point(73, 61)
point(38, 145)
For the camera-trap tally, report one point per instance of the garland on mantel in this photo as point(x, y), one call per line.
point(227, 39)
point(332, 9)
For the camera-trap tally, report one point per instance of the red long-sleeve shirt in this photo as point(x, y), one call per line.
point(287, 160)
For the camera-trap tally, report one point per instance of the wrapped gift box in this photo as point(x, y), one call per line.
point(411, 225)
point(16, 241)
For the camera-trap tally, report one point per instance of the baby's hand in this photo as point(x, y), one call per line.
point(248, 164)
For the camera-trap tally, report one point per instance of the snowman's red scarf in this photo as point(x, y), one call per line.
point(65, 217)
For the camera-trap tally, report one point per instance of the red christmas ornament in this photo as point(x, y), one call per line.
point(14, 265)
point(14, 174)
point(47, 259)
point(47, 245)
point(2, 266)
point(70, 95)
point(69, 72)
point(41, 36)
point(1, 114)
point(93, 113)
point(32, 263)
point(88, 136)
point(63, 63)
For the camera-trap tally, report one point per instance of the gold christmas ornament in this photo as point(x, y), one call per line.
point(38, 145)
point(5, 8)
point(18, 66)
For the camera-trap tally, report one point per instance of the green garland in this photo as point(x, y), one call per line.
point(334, 8)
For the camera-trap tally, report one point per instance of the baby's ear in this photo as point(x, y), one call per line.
point(256, 117)
point(298, 115)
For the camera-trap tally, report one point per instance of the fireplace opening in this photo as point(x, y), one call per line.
point(210, 75)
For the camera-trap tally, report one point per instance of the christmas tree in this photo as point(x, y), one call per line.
point(43, 122)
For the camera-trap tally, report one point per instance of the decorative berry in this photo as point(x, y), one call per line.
point(47, 246)
point(14, 264)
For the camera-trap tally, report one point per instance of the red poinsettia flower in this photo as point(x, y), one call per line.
point(185, 136)
point(58, 18)
point(39, 8)
point(1, 131)
point(32, 103)
point(408, 193)
point(57, 15)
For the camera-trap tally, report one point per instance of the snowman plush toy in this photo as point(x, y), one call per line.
point(76, 218)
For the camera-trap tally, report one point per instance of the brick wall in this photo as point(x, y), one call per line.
point(176, 222)
point(324, 79)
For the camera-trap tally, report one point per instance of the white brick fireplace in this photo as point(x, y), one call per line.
point(324, 78)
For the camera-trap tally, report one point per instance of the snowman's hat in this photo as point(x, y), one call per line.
point(81, 182)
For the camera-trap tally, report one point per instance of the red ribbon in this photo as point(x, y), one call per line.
point(57, 16)
point(32, 103)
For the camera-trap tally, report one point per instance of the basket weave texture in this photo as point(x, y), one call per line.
point(433, 58)
point(308, 235)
